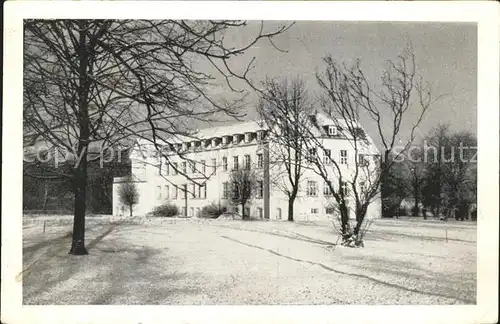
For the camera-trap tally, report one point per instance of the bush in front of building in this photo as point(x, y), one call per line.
point(165, 210)
point(213, 210)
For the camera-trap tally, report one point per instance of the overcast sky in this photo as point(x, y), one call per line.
point(446, 56)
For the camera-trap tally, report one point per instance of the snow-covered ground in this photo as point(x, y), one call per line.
point(189, 261)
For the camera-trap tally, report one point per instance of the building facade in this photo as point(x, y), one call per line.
point(199, 172)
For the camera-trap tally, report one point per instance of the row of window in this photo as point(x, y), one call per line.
point(343, 157)
point(187, 167)
point(260, 212)
point(312, 189)
point(234, 190)
point(214, 142)
point(327, 156)
point(194, 191)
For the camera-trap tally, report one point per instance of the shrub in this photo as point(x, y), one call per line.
point(212, 211)
point(165, 210)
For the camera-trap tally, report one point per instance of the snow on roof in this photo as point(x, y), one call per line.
point(238, 128)
point(215, 132)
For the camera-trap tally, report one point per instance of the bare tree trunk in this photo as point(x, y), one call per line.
point(80, 179)
point(344, 220)
point(130, 208)
point(45, 195)
point(417, 200)
point(360, 218)
point(291, 201)
point(243, 216)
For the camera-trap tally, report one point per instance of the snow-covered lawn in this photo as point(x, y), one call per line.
point(187, 261)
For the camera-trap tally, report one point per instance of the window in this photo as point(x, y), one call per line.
point(235, 163)
point(167, 168)
point(329, 210)
point(176, 192)
point(193, 166)
point(225, 190)
point(203, 167)
point(260, 189)
point(160, 165)
point(247, 162)
point(224, 163)
point(184, 167)
point(225, 139)
point(167, 191)
point(362, 161)
point(278, 213)
point(214, 166)
point(174, 171)
point(193, 191)
point(314, 211)
point(197, 211)
point(236, 191)
point(311, 154)
point(236, 210)
point(158, 192)
point(247, 211)
point(184, 211)
point(247, 137)
point(191, 211)
point(260, 135)
point(327, 158)
point(312, 188)
point(202, 191)
point(345, 188)
point(343, 156)
point(326, 189)
point(184, 191)
point(332, 130)
point(260, 160)
point(214, 142)
point(362, 187)
point(184, 146)
point(236, 139)
point(260, 212)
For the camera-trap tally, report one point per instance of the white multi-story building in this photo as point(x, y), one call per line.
point(199, 168)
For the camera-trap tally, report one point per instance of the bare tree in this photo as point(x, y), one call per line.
point(394, 188)
point(450, 173)
point(416, 167)
point(284, 107)
point(103, 81)
point(244, 187)
point(347, 95)
point(435, 147)
point(128, 194)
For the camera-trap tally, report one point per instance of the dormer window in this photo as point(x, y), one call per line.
point(214, 142)
point(332, 130)
point(194, 145)
point(208, 142)
point(236, 139)
point(248, 137)
point(260, 135)
point(178, 147)
point(225, 140)
point(185, 146)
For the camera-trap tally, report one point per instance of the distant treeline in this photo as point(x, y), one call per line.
point(49, 189)
point(438, 176)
